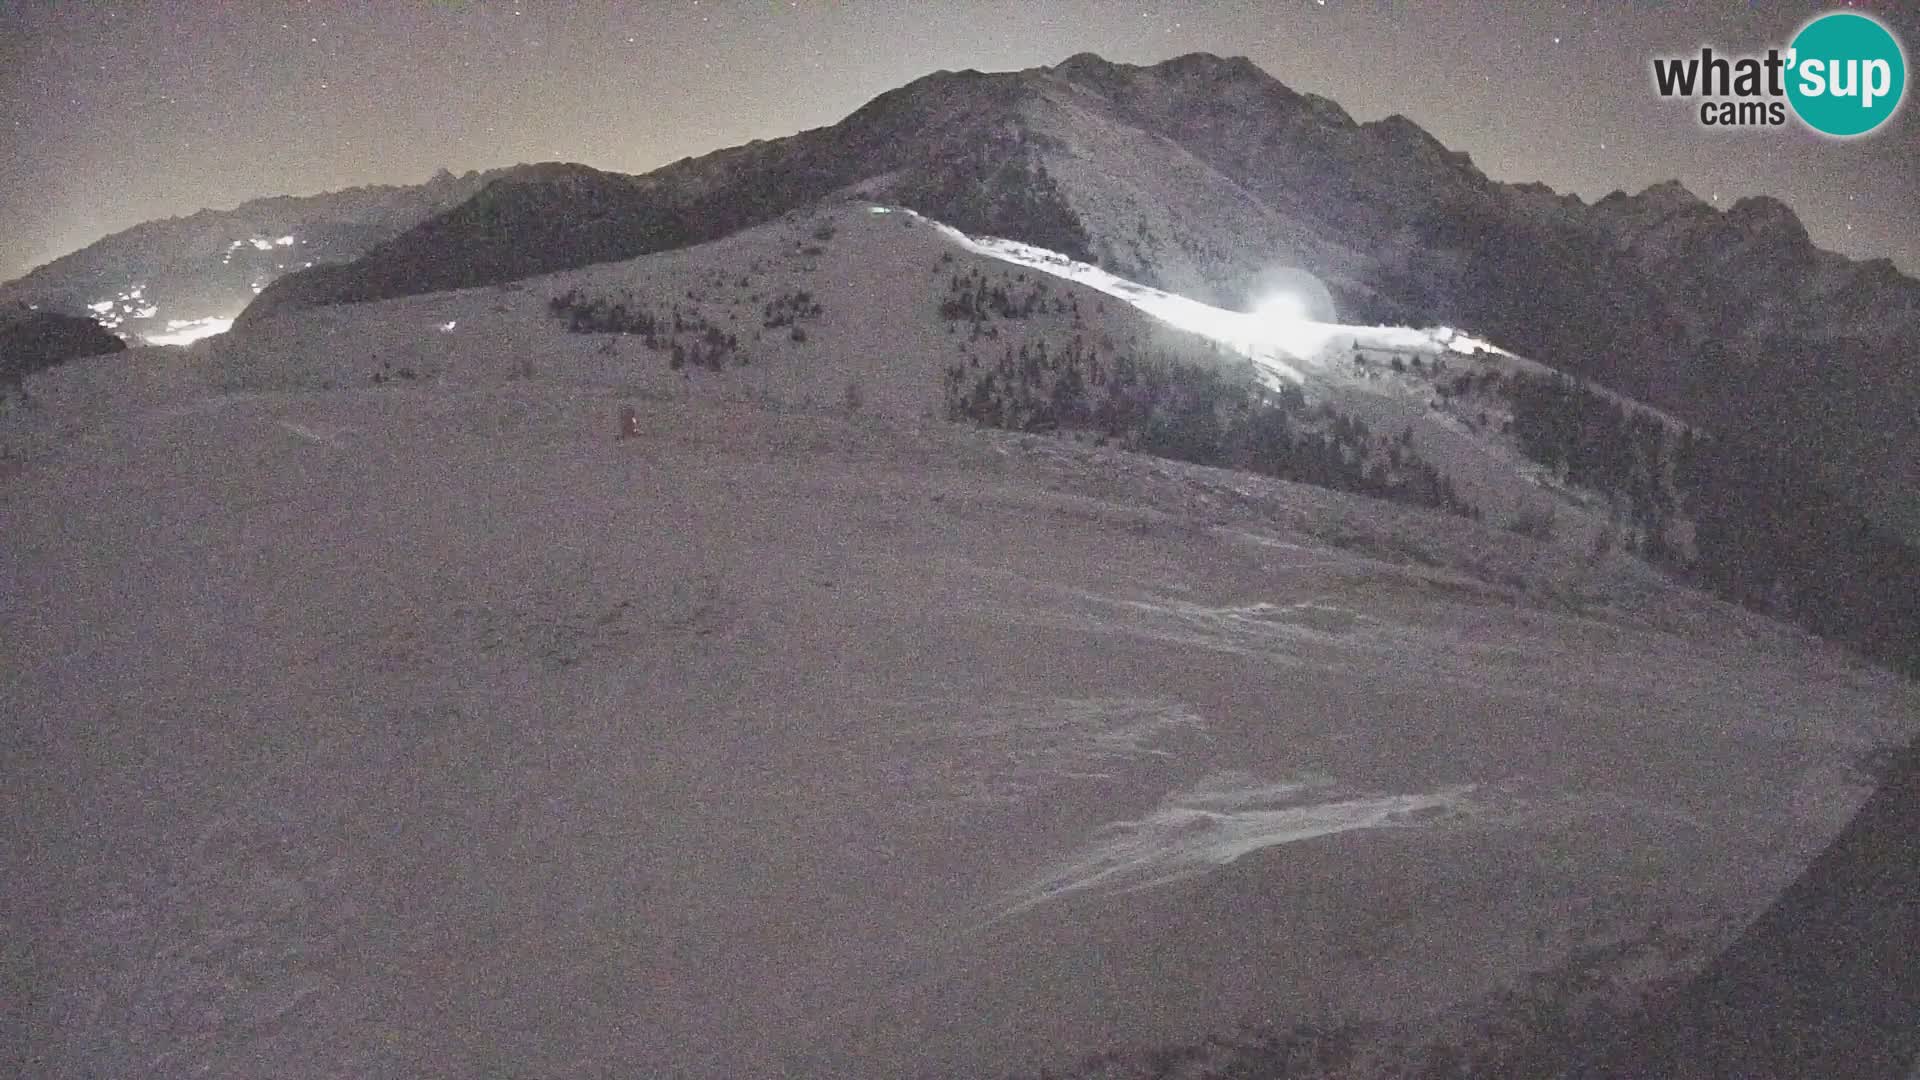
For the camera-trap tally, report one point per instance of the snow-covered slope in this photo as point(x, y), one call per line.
point(432, 731)
point(376, 710)
point(1199, 174)
point(877, 276)
point(1363, 371)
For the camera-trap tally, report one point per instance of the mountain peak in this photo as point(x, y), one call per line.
point(1763, 210)
point(1093, 71)
point(1402, 129)
point(549, 171)
point(1768, 216)
point(1202, 65)
point(1544, 194)
point(1657, 202)
point(1406, 137)
point(1084, 62)
point(1670, 194)
point(1208, 66)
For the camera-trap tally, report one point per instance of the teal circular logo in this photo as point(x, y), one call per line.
point(1847, 74)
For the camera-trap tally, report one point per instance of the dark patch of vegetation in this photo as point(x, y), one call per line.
point(1764, 535)
point(1533, 522)
point(1687, 337)
point(1208, 415)
point(388, 373)
point(33, 341)
point(1542, 290)
point(600, 315)
point(1593, 441)
point(972, 297)
point(789, 308)
point(685, 337)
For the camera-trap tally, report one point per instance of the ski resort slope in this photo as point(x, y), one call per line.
point(422, 727)
point(1285, 348)
point(881, 278)
point(1352, 368)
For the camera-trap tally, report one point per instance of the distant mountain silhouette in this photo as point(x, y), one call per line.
point(208, 264)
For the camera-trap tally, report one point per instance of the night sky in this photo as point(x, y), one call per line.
point(117, 113)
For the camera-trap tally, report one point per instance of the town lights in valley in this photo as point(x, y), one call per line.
point(188, 331)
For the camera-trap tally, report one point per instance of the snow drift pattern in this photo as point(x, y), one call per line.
point(1216, 821)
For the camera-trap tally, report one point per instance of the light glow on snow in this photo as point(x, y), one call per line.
point(1277, 350)
point(1281, 348)
point(1465, 344)
point(1282, 310)
point(262, 244)
point(1278, 337)
point(188, 331)
point(285, 241)
point(447, 327)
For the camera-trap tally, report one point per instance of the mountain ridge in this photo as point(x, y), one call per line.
point(207, 264)
point(1200, 173)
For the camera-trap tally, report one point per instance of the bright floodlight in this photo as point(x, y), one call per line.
point(1281, 309)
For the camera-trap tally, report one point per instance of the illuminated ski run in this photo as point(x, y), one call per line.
point(1284, 348)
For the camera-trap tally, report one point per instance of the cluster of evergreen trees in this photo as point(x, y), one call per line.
point(789, 308)
point(600, 315)
point(1596, 442)
point(1764, 536)
point(1770, 539)
point(971, 297)
point(1209, 415)
point(686, 337)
